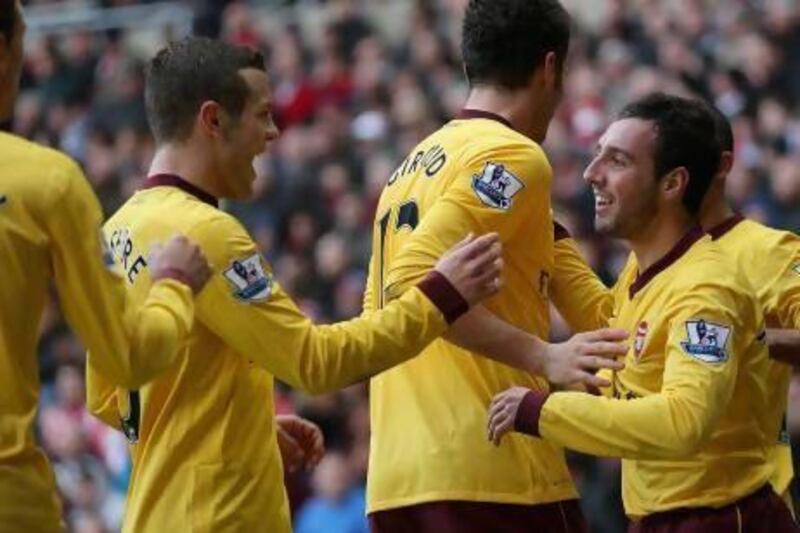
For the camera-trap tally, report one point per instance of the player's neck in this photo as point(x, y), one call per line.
point(183, 161)
point(514, 106)
point(715, 212)
point(658, 239)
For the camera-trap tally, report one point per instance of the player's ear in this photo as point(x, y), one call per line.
point(210, 119)
point(551, 70)
point(674, 184)
point(725, 164)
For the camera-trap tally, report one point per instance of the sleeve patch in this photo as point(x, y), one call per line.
point(706, 341)
point(248, 279)
point(105, 250)
point(496, 186)
point(796, 269)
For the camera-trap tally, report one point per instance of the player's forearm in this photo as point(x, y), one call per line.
point(164, 322)
point(784, 345)
point(341, 354)
point(481, 332)
point(158, 329)
point(616, 428)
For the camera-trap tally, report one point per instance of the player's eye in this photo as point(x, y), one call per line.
point(619, 160)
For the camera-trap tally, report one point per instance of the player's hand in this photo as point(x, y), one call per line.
point(473, 266)
point(182, 260)
point(503, 413)
point(300, 441)
point(576, 360)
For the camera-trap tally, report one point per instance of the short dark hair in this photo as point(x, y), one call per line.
point(724, 130)
point(189, 72)
point(686, 136)
point(8, 18)
point(504, 41)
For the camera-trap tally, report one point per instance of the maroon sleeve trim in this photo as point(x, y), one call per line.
point(444, 295)
point(560, 232)
point(593, 390)
point(528, 413)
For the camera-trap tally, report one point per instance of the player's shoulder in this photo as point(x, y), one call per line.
point(763, 236)
point(38, 165)
point(705, 260)
point(219, 233)
point(483, 138)
point(708, 271)
point(753, 235)
point(22, 150)
point(507, 144)
point(758, 248)
point(44, 176)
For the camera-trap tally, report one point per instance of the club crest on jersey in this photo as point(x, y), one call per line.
point(496, 186)
point(250, 282)
point(638, 341)
point(706, 341)
point(797, 269)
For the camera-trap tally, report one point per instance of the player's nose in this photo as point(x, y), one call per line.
point(592, 173)
point(272, 133)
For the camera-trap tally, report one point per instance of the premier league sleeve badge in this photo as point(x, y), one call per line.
point(251, 283)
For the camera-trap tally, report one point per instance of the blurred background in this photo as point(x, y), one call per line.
point(357, 84)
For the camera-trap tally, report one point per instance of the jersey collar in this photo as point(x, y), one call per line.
point(172, 180)
point(560, 232)
point(725, 226)
point(677, 251)
point(479, 113)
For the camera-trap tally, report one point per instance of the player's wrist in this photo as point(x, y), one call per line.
point(540, 355)
point(444, 295)
point(529, 412)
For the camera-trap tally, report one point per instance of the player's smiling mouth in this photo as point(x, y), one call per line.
point(601, 201)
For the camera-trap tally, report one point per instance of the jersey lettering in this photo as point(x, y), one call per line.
point(431, 161)
point(123, 249)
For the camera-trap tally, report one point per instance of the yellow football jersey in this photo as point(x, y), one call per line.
point(769, 259)
point(50, 231)
point(579, 295)
point(205, 455)
point(687, 415)
point(428, 431)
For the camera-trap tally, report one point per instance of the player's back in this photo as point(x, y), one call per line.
point(204, 451)
point(428, 415)
point(34, 182)
point(763, 255)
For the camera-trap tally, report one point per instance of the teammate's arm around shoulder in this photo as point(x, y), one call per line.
point(246, 307)
point(128, 345)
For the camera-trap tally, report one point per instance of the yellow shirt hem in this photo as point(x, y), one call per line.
point(568, 492)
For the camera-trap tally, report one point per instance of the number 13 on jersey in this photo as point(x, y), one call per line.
point(406, 215)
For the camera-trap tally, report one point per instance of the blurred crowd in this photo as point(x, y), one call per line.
point(356, 86)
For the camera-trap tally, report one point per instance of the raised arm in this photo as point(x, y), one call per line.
point(129, 344)
point(246, 307)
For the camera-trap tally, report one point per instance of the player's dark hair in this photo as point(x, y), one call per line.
point(189, 72)
point(8, 19)
point(724, 130)
point(504, 41)
point(686, 136)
